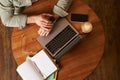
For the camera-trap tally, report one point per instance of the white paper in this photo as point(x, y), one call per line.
point(44, 63)
point(38, 68)
point(27, 72)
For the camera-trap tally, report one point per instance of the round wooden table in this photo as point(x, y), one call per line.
point(81, 60)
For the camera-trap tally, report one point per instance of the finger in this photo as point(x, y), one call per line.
point(47, 24)
point(44, 20)
point(47, 14)
point(47, 28)
point(44, 28)
point(47, 33)
point(42, 32)
point(39, 31)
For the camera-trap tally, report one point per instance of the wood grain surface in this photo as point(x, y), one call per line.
point(109, 66)
point(81, 60)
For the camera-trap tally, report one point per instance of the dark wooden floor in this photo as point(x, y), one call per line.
point(108, 68)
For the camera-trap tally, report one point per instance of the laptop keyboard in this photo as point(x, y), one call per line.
point(63, 37)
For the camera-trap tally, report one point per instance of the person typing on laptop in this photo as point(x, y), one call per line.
point(11, 16)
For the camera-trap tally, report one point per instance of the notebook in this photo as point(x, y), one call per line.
point(39, 67)
point(61, 39)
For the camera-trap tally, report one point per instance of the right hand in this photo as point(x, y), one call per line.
point(45, 24)
point(43, 21)
point(44, 31)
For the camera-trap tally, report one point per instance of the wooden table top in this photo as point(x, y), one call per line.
point(81, 60)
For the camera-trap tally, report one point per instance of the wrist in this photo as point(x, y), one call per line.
point(56, 16)
point(31, 19)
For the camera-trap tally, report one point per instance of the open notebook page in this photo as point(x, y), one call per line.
point(44, 63)
point(28, 72)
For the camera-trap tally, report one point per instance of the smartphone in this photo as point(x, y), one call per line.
point(79, 17)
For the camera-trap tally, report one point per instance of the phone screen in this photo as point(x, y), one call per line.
point(79, 17)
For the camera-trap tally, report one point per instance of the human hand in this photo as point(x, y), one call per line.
point(42, 20)
point(56, 16)
point(45, 24)
point(43, 31)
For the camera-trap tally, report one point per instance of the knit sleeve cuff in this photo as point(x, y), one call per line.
point(23, 21)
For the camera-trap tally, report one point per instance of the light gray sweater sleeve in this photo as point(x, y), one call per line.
point(61, 7)
point(14, 20)
point(7, 14)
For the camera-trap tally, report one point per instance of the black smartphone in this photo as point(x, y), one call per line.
point(79, 17)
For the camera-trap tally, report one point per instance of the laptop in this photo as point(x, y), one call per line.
point(61, 39)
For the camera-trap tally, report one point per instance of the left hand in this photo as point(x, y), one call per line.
point(44, 31)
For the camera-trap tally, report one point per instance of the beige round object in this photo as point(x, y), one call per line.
point(86, 27)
